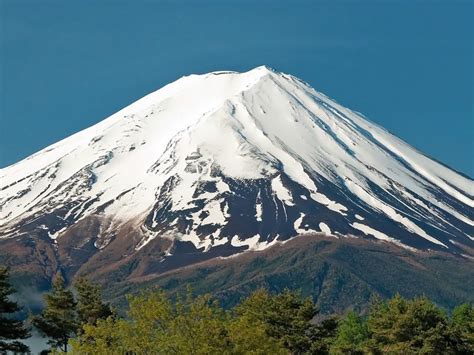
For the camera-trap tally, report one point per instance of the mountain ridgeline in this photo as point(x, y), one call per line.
point(219, 164)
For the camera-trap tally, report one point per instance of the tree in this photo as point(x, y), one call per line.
point(408, 326)
point(58, 320)
point(249, 336)
point(10, 329)
point(323, 335)
point(90, 307)
point(107, 336)
point(287, 317)
point(275, 324)
point(155, 325)
point(461, 328)
point(352, 335)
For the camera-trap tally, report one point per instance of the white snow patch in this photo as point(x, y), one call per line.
point(282, 193)
point(216, 215)
point(56, 234)
point(220, 241)
point(258, 214)
point(379, 235)
point(302, 229)
point(250, 242)
point(324, 228)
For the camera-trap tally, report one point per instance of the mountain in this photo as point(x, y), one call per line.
point(339, 274)
point(217, 164)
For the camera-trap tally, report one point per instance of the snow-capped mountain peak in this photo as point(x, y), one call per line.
point(238, 160)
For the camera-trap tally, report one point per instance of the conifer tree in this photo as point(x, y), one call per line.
point(287, 317)
point(323, 335)
point(58, 320)
point(408, 326)
point(10, 329)
point(351, 336)
point(90, 307)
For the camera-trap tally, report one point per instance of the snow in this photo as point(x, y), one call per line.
point(259, 124)
point(324, 228)
point(282, 193)
point(377, 234)
point(301, 230)
point(258, 215)
point(55, 235)
point(297, 225)
point(390, 212)
point(251, 243)
point(221, 241)
point(298, 222)
point(216, 215)
point(371, 231)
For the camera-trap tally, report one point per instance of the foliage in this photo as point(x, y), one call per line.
point(286, 317)
point(276, 324)
point(351, 336)
point(409, 326)
point(155, 325)
point(90, 307)
point(462, 329)
point(10, 329)
point(324, 335)
point(58, 321)
point(262, 323)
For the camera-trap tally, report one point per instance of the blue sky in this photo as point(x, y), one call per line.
point(407, 64)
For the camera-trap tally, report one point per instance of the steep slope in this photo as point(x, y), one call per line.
point(339, 274)
point(215, 164)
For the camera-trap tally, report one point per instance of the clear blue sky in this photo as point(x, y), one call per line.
point(406, 64)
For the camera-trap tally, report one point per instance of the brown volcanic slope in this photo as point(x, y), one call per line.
point(338, 273)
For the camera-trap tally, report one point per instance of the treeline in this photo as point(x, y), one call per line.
point(262, 323)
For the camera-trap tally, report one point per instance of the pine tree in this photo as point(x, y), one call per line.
point(90, 307)
point(58, 320)
point(10, 329)
point(323, 335)
point(287, 317)
point(351, 336)
point(408, 326)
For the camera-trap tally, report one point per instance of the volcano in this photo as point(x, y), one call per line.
point(224, 163)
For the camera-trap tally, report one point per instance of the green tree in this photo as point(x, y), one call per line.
point(107, 336)
point(461, 329)
point(155, 325)
point(90, 307)
point(58, 320)
point(198, 326)
point(352, 335)
point(287, 317)
point(248, 336)
point(324, 335)
point(10, 329)
point(408, 326)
